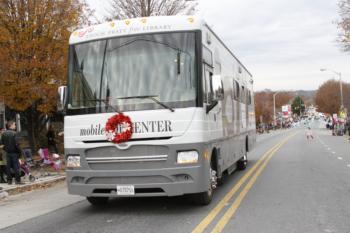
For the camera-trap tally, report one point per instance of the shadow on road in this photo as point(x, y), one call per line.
point(145, 204)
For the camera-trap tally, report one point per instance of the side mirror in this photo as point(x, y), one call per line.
point(218, 87)
point(211, 106)
point(62, 98)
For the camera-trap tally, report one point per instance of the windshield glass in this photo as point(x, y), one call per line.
point(161, 65)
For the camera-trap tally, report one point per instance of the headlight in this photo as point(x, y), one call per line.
point(185, 157)
point(73, 161)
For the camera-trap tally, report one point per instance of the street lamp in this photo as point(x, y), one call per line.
point(274, 108)
point(340, 84)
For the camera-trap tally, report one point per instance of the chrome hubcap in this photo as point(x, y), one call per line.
point(213, 179)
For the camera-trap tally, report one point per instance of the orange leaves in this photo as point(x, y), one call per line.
point(328, 96)
point(33, 50)
point(264, 104)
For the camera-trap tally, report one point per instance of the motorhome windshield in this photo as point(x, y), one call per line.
point(103, 72)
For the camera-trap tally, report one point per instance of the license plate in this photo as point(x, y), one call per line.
point(125, 190)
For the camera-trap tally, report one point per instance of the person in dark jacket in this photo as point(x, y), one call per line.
point(10, 144)
point(51, 142)
point(3, 170)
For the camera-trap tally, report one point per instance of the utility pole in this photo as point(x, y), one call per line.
point(274, 109)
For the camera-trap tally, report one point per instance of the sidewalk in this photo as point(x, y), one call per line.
point(18, 208)
point(42, 182)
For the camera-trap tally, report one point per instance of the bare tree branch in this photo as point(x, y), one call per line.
point(123, 9)
point(344, 24)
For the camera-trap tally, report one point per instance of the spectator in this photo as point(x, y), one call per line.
point(3, 172)
point(2, 168)
point(51, 142)
point(10, 144)
point(2, 163)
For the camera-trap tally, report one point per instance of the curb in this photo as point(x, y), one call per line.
point(33, 186)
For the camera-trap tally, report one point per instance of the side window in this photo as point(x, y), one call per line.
point(236, 89)
point(243, 95)
point(249, 97)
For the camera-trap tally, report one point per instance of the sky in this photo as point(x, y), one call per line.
point(283, 43)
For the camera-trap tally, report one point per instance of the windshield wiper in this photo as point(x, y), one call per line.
point(152, 97)
point(105, 101)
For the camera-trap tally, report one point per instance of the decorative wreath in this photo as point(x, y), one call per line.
point(118, 128)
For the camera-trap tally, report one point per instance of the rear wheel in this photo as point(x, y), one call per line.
point(97, 201)
point(242, 163)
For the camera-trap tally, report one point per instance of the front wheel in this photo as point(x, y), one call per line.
point(97, 201)
point(205, 198)
point(242, 163)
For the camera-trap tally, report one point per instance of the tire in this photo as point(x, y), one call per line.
point(205, 198)
point(222, 179)
point(242, 163)
point(97, 201)
point(31, 178)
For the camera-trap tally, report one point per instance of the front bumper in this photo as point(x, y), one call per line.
point(148, 182)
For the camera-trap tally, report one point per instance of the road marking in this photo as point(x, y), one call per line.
point(340, 158)
point(230, 212)
point(210, 217)
point(216, 210)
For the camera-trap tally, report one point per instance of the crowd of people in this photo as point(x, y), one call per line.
point(11, 151)
point(339, 127)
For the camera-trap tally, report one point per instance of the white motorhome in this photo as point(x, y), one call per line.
point(189, 98)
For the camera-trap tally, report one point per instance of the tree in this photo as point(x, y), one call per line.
point(33, 54)
point(264, 104)
point(298, 106)
point(263, 107)
point(283, 98)
point(344, 24)
point(123, 9)
point(328, 96)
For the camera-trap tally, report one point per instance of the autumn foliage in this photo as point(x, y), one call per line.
point(33, 54)
point(328, 96)
point(264, 104)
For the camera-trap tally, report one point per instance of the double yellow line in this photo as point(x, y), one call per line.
point(232, 209)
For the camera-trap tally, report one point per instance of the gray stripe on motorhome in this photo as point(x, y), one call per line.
point(173, 178)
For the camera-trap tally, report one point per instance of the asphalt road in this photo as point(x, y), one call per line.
point(291, 184)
